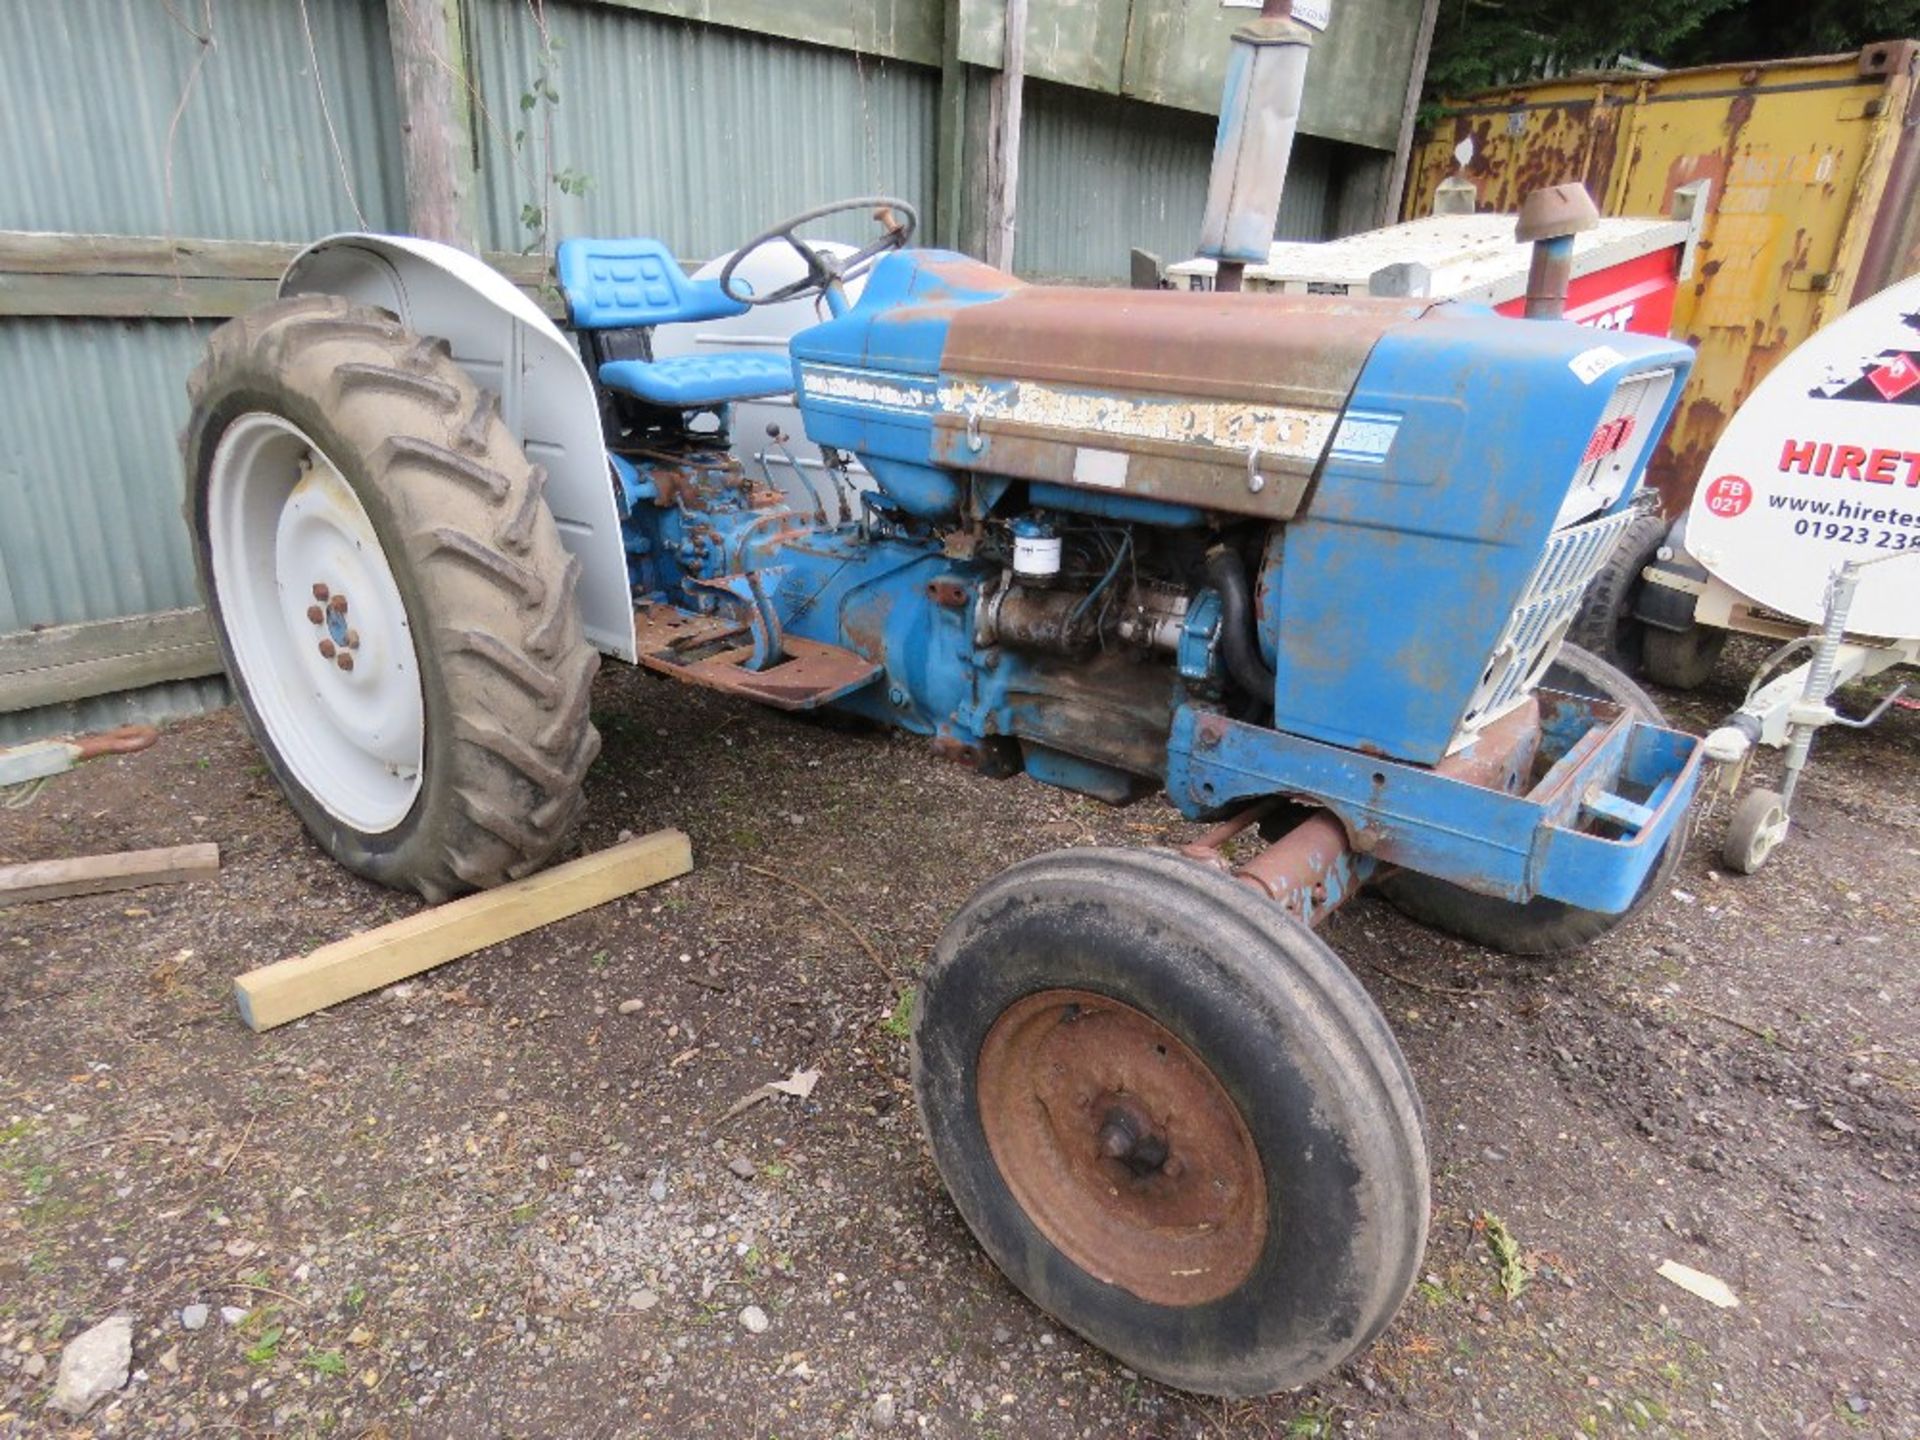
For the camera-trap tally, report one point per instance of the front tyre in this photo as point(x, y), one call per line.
point(1173, 1118)
point(390, 596)
point(1540, 927)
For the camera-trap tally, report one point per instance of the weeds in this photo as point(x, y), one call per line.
point(900, 1023)
point(1514, 1271)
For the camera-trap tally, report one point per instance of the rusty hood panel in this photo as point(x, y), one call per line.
point(1278, 349)
point(1222, 402)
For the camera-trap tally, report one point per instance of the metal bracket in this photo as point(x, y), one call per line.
point(750, 588)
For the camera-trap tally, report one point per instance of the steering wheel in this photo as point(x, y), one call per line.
point(898, 219)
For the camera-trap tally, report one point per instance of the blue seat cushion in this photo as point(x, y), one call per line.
point(694, 382)
point(627, 284)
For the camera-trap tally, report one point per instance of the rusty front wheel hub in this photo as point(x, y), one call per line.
point(1122, 1147)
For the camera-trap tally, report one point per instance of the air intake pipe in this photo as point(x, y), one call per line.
point(1238, 646)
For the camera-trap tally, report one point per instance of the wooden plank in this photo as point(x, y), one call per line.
point(131, 297)
point(1396, 183)
point(41, 252)
point(897, 29)
point(96, 874)
point(151, 277)
point(49, 646)
point(289, 989)
point(62, 663)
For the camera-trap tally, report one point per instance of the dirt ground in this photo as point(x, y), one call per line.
point(502, 1200)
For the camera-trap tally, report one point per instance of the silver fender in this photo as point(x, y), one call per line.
point(507, 345)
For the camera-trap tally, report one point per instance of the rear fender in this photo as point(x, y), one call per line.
point(501, 338)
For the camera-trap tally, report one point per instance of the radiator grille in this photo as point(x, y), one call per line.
point(1539, 622)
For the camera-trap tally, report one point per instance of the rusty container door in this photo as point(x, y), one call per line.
point(1807, 170)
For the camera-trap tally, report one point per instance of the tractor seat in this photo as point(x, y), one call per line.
point(694, 382)
point(637, 284)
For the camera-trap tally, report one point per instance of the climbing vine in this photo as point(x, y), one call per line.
point(533, 140)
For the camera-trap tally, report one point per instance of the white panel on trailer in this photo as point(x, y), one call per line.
point(1821, 465)
point(1467, 257)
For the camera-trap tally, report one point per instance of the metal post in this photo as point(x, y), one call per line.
point(1839, 597)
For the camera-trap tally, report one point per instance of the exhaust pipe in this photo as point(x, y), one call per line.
point(1259, 111)
point(1550, 217)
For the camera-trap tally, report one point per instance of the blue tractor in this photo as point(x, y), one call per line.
point(1305, 564)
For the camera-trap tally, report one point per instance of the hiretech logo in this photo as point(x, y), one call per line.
point(1832, 461)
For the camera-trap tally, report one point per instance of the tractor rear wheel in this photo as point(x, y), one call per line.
point(1173, 1118)
point(1606, 624)
point(1539, 927)
point(390, 596)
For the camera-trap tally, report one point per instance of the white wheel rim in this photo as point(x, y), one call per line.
point(339, 695)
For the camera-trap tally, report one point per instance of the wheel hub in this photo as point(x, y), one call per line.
point(319, 630)
point(323, 530)
point(1122, 1147)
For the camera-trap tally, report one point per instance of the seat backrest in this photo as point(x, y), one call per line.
point(620, 284)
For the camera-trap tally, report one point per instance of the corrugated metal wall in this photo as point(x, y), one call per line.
point(90, 525)
point(189, 119)
point(699, 135)
point(90, 91)
point(1100, 176)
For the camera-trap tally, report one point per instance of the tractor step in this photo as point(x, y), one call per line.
point(711, 650)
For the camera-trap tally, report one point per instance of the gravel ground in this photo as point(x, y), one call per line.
point(506, 1199)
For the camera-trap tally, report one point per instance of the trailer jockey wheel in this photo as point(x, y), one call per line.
point(1540, 927)
point(390, 595)
point(1758, 826)
point(1173, 1118)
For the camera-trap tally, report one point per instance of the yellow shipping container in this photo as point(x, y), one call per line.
point(1806, 168)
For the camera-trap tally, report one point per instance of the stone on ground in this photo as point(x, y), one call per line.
point(94, 1364)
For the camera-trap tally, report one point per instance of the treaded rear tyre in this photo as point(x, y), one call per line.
point(1540, 927)
point(505, 672)
point(1304, 1265)
point(1605, 624)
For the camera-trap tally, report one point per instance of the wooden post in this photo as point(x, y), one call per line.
point(1003, 156)
point(950, 184)
point(1391, 201)
point(429, 76)
point(93, 874)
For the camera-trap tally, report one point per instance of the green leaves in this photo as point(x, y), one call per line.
point(325, 1362)
point(537, 104)
point(1482, 43)
point(900, 1023)
point(264, 1349)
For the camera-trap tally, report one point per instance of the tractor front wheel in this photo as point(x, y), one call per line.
point(1173, 1118)
point(390, 595)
